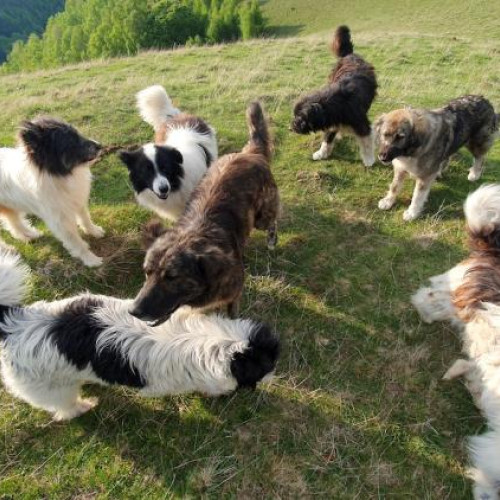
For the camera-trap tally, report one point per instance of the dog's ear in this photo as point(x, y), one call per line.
point(151, 232)
point(378, 124)
point(177, 156)
point(29, 133)
point(129, 158)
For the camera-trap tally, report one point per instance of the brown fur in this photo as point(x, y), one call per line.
point(200, 261)
point(482, 281)
point(182, 120)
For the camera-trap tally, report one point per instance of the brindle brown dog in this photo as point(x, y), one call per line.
point(420, 142)
point(200, 261)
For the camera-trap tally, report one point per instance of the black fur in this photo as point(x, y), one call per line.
point(75, 333)
point(347, 98)
point(4, 310)
point(142, 171)
point(55, 146)
point(342, 44)
point(258, 359)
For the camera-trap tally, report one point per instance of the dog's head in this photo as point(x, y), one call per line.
point(55, 146)
point(258, 360)
point(157, 168)
point(308, 116)
point(396, 135)
point(176, 275)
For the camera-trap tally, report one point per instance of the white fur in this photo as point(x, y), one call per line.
point(190, 352)
point(61, 202)
point(482, 208)
point(480, 343)
point(156, 107)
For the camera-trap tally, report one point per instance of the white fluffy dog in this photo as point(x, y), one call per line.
point(48, 175)
point(165, 173)
point(468, 295)
point(49, 350)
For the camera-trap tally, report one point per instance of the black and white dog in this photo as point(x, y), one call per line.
point(48, 175)
point(165, 173)
point(343, 105)
point(50, 349)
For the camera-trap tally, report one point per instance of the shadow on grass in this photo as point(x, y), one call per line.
point(360, 379)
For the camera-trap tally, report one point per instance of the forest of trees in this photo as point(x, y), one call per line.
point(89, 29)
point(20, 18)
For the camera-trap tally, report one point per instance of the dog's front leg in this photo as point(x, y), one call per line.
point(326, 146)
point(394, 189)
point(66, 230)
point(85, 222)
point(420, 194)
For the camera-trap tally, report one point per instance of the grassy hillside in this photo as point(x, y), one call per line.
point(358, 409)
point(474, 18)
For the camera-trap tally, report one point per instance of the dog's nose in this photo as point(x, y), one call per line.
point(164, 189)
point(138, 312)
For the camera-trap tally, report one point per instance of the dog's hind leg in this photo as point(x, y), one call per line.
point(366, 149)
point(85, 222)
point(266, 218)
point(66, 230)
point(326, 146)
point(479, 145)
point(17, 225)
point(63, 401)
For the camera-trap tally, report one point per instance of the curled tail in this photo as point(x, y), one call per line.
point(155, 106)
point(342, 43)
point(260, 140)
point(482, 211)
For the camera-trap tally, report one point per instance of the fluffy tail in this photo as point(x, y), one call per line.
point(482, 211)
point(342, 43)
point(13, 281)
point(258, 359)
point(155, 106)
point(260, 140)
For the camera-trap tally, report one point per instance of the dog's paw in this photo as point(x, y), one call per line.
point(410, 214)
point(319, 155)
point(386, 203)
point(82, 406)
point(32, 234)
point(459, 368)
point(92, 260)
point(368, 161)
point(96, 231)
point(473, 175)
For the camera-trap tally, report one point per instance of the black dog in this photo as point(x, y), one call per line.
point(344, 104)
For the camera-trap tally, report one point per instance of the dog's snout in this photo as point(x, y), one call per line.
point(138, 312)
point(164, 188)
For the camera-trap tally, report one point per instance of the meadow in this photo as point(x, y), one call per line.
point(358, 409)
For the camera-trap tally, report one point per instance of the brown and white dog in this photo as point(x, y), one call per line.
point(468, 295)
point(420, 142)
point(199, 262)
point(343, 105)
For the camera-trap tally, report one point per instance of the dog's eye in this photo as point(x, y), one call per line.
point(399, 137)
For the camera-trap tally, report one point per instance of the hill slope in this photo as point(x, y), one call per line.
point(480, 18)
point(358, 410)
point(19, 19)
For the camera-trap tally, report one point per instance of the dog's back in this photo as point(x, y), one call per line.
point(470, 116)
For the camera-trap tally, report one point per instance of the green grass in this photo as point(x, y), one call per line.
point(358, 410)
